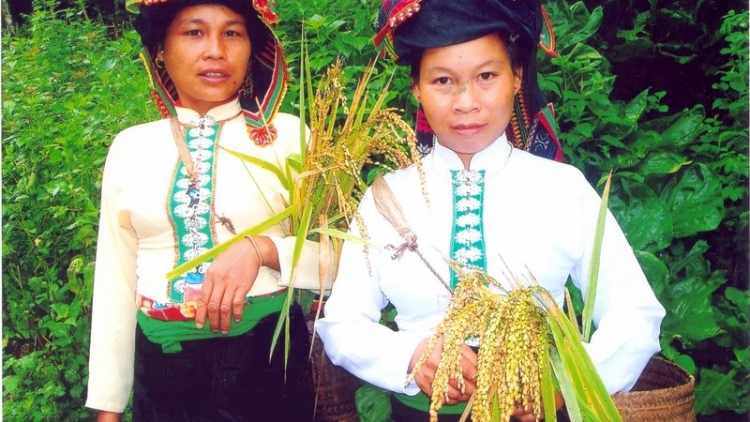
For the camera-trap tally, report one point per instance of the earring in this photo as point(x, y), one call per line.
point(247, 88)
point(159, 61)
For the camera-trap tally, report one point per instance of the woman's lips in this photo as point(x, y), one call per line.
point(213, 75)
point(467, 129)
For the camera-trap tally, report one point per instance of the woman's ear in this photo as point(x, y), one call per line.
point(415, 91)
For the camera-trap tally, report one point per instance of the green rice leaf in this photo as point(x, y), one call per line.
point(262, 164)
point(216, 250)
point(339, 234)
point(588, 308)
point(566, 387)
point(585, 381)
point(548, 391)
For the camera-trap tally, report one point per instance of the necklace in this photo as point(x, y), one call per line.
point(204, 126)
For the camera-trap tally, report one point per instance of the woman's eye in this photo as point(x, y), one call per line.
point(486, 76)
point(442, 81)
point(233, 33)
point(193, 32)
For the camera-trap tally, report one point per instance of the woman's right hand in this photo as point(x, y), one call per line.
point(426, 373)
point(225, 286)
point(103, 416)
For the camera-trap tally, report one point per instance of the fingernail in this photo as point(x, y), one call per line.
point(199, 326)
point(225, 332)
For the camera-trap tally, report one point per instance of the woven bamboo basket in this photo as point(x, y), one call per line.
point(663, 393)
point(335, 387)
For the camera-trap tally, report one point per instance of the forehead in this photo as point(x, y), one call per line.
point(487, 49)
point(208, 13)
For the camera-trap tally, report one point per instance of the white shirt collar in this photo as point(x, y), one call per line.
point(224, 111)
point(487, 159)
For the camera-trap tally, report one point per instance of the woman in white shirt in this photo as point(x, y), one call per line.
point(197, 347)
point(484, 193)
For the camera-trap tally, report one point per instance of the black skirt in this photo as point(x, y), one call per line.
point(226, 378)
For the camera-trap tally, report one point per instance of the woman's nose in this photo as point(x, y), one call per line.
point(465, 98)
point(215, 48)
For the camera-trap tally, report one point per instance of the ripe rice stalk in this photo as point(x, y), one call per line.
point(528, 347)
point(339, 138)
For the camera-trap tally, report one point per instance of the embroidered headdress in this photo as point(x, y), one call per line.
point(263, 88)
point(408, 27)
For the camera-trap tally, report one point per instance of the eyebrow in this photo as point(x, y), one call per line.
point(479, 66)
point(203, 22)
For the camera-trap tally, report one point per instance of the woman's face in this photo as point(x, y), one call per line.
point(206, 53)
point(466, 91)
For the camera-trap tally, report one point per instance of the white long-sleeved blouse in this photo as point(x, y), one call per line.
point(136, 246)
point(538, 214)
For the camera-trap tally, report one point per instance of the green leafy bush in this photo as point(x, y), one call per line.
point(67, 89)
point(680, 193)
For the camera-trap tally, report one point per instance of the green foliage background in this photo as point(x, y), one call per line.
point(656, 89)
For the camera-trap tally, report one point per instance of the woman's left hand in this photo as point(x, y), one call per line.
point(225, 286)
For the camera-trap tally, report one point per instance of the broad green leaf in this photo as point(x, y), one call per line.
point(662, 162)
point(684, 131)
point(643, 217)
point(373, 404)
point(635, 108)
point(685, 362)
point(695, 200)
point(592, 23)
point(691, 318)
point(717, 390)
point(656, 271)
point(584, 53)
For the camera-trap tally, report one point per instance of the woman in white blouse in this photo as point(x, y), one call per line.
point(487, 199)
point(197, 347)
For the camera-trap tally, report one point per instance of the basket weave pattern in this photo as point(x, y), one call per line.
point(663, 393)
point(335, 388)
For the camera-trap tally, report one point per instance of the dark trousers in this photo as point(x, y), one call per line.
point(226, 378)
point(404, 413)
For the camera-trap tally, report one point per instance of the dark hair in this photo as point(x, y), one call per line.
point(516, 53)
point(153, 21)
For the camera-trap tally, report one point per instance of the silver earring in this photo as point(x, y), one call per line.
point(159, 62)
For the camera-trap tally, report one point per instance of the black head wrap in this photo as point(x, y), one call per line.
point(407, 27)
point(265, 85)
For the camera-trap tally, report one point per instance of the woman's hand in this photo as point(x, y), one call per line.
point(427, 371)
point(103, 416)
point(525, 415)
point(227, 282)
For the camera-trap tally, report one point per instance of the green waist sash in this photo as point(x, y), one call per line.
point(169, 334)
point(422, 402)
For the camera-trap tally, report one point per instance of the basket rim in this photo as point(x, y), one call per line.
point(679, 395)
